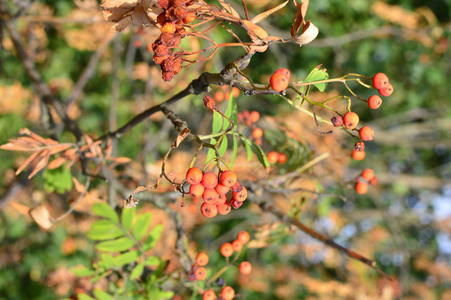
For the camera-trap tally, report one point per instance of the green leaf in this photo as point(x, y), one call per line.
point(104, 210)
point(211, 152)
point(152, 261)
point(234, 150)
point(82, 271)
point(217, 122)
point(101, 295)
point(153, 237)
point(125, 258)
point(106, 261)
point(128, 216)
point(247, 145)
point(142, 225)
point(261, 156)
point(59, 180)
point(318, 74)
point(223, 146)
point(84, 297)
point(104, 230)
point(155, 293)
point(137, 271)
point(119, 245)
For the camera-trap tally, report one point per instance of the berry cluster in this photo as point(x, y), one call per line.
point(361, 182)
point(382, 84)
point(224, 93)
point(280, 80)
point(276, 157)
point(250, 119)
point(198, 271)
point(176, 13)
point(214, 189)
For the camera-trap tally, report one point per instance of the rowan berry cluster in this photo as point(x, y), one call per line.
point(276, 157)
point(366, 177)
point(198, 270)
point(214, 191)
point(176, 13)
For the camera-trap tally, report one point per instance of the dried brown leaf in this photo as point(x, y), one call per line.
point(41, 216)
point(108, 148)
point(13, 147)
point(27, 162)
point(264, 15)
point(122, 160)
point(301, 11)
point(140, 18)
point(116, 14)
point(139, 189)
point(182, 135)
point(113, 4)
point(78, 186)
point(256, 33)
point(309, 33)
point(20, 208)
point(43, 160)
point(229, 8)
point(57, 162)
point(59, 148)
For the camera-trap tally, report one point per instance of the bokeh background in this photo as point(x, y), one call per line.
point(404, 223)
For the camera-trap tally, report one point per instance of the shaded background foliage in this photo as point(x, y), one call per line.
point(405, 223)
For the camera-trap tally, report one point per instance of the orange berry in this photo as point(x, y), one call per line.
point(226, 249)
point(243, 237)
point(374, 181)
point(227, 293)
point(279, 82)
point(209, 295)
point(190, 17)
point(257, 133)
point(258, 141)
point(220, 200)
point(228, 178)
point(224, 209)
point(202, 259)
point(380, 80)
point(209, 180)
point(254, 116)
point(241, 195)
point(282, 158)
point(245, 268)
point(235, 92)
point(210, 195)
point(374, 102)
point(366, 133)
point(222, 189)
point(237, 245)
point(196, 190)
point(273, 157)
point(386, 91)
point(219, 96)
point(200, 273)
point(367, 174)
point(358, 155)
point(361, 187)
point(350, 120)
point(208, 210)
point(169, 28)
point(194, 175)
point(283, 71)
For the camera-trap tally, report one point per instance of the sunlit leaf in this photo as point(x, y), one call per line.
point(125, 258)
point(102, 209)
point(117, 245)
point(247, 145)
point(153, 237)
point(101, 295)
point(127, 218)
point(137, 271)
point(223, 146)
point(234, 150)
point(82, 271)
point(318, 74)
point(261, 156)
point(142, 225)
point(84, 297)
point(104, 230)
point(152, 261)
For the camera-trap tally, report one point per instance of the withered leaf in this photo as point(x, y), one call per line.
point(264, 15)
point(57, 162)
point(309, 33)
point(59, 148)
point(301, 11)
point(255, 32)
point(109, 4)
point(182, 135)
point(42, 162)
point(122, 160)
point(78, 186)
point(41, 216)
point(139, 17)
point(229, 8)
point(20, 208)
point(27, 162)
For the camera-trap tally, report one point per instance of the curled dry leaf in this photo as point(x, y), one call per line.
point(20, 208)
point(300, 16)
point(229, 8)
point(264, 15)
point(309, 33)
point(41, 216)
point(78, 186)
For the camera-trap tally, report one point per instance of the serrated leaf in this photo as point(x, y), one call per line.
point(127, 218)
point(83, 271)
point(318, 74)
point(152, 261)
point(247, 145)
point(234, 150)
point(125, 258)
point(261, 156)
point(153, 237)
point(101, 295)
point(104, 210)
point(223, 146)
point(118, 245)
point(142, 225)
point(84, 297)
point(104, 230)
point(137, 271)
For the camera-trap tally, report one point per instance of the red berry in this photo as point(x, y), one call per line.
point(228, 178)
point(361, 187)
point(282, 158)
point(235, 203)
point(226, 249)
point(386, 91)
point(222, 189)
point(380, 80)
point(209, 295)
point(202, 259)
point(237, 245)
point(241, 195)
point(374, 181)
point(280, 80)
point(358, 155)
point(337, 121)
point(350, 120)
point(367, 174)
point(208, 210)
point(196, 190)
point(224, 209)
point(245, 267)
point(210, 195)
point(227, 293)
point(200, 273)
point(366, 133)
point(257, 133)
point(374, 102)
point(254, 116)
point(209, 180)
point(194, 175)
point(243, 237)
point(273, 157)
